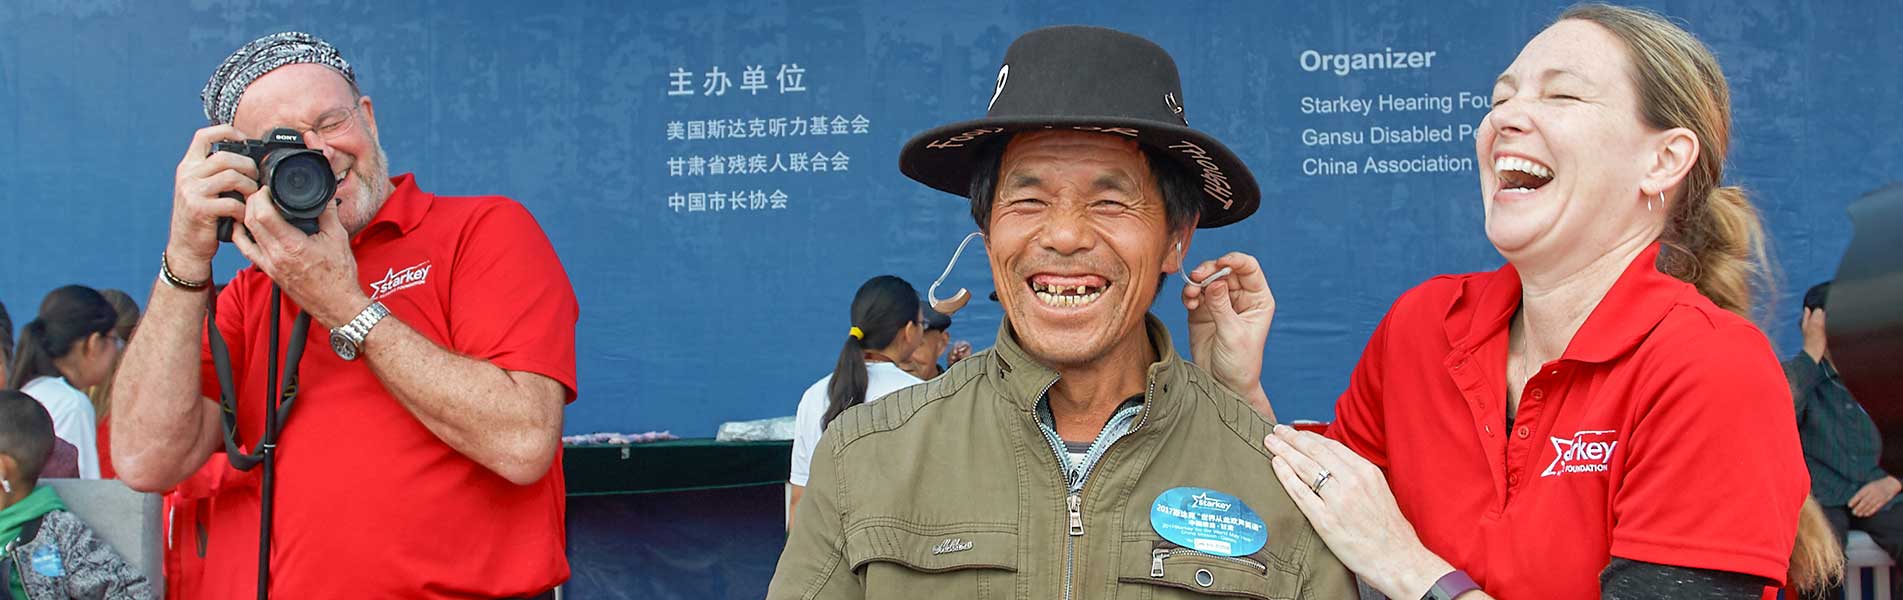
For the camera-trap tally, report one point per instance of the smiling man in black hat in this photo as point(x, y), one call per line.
point(1080, 457)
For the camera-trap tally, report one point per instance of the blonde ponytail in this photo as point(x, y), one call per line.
point(1717, 243)
point(1817, 560)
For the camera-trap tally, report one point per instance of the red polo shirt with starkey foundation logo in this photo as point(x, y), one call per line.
point(369, 502)
point(1664, 433)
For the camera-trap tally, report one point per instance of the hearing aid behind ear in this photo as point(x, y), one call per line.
point(957, 301)
point(1206, 280)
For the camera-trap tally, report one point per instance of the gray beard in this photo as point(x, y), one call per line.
point(374, 188)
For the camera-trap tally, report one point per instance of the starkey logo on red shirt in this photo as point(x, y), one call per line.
point(1585, 452)
point(394, 280)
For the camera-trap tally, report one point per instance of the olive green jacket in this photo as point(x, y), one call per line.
point(949, 489)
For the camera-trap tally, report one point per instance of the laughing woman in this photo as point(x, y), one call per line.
point(1598, 418)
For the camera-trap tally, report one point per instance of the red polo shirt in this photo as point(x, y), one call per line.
point(369, 503)
point(1663, 434)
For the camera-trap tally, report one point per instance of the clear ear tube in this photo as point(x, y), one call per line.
point(1206, 280)
point(958, 299)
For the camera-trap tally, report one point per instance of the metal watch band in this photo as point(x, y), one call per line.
point(359, 328)
point(165, 273)
point(1453, 584)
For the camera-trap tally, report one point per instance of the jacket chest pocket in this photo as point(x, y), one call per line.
point(1160, 569)
point(902, 561)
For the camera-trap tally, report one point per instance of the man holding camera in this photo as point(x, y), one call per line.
point(423, 457)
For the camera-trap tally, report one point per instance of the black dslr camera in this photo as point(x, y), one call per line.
point(299, 178)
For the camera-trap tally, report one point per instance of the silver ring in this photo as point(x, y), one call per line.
point(1321, 480)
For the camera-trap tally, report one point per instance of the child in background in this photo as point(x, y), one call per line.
point(48, 552)
point(67, 348)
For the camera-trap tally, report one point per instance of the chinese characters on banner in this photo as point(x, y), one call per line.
point(791, 78)
point(757, 127)
point(722, 170)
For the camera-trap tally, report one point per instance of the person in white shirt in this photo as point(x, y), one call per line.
point(68, 347)
point(887, 326)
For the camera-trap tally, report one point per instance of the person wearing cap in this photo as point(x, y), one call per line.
point(1598, 418)
point(423, 454)
point(923, 361)
point(1080, 457)
point(1841, 443)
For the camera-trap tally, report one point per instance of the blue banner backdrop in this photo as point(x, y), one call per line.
point(719, 176)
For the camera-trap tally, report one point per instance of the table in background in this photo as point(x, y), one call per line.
point(676, 519)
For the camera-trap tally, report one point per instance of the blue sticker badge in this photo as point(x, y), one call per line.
point(1208, 521)
point(46, 562)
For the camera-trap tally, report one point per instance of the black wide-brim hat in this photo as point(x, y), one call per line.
point(1095, 80)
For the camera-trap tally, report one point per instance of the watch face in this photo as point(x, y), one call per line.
point(342, 346)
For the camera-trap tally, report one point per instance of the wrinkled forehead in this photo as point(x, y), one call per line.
point(1046, 158)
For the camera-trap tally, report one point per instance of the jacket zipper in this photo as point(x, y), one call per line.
point(1074, 500)
point(19, 568)
point(1157, 556)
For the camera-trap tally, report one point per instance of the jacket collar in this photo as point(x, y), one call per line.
point(1635, 304)
point(1023, 381)
point(20, 521)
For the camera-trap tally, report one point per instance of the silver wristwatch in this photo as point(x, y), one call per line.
point(347, 341)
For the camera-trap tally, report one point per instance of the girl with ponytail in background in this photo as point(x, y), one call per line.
point(886, 327)
point(101, 393)
point(1599, 418)
point(67, 348)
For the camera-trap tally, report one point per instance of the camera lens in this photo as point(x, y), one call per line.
point(301, 182)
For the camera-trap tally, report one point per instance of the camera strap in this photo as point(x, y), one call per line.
point(278, 401)
point(277, 409)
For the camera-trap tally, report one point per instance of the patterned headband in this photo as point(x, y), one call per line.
point(261, 56)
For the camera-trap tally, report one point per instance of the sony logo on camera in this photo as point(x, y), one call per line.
point(300, 178)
